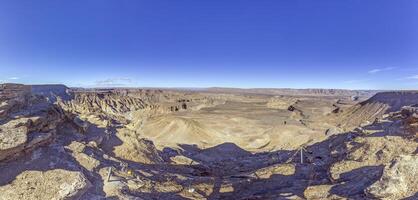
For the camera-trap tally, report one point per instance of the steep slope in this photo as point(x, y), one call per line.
point(375, 107)
point(129, 105)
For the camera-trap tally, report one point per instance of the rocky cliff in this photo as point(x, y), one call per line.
point(12, 98)
point(375, 107)
point(127, 105)
point(28, 121)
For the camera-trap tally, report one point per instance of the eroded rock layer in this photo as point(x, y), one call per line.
point(62, 143)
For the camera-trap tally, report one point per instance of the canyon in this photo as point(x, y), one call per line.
point(210, 143)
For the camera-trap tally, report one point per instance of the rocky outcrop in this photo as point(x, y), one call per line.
point(105, 102)
point(28, 122)
point(77, 150)
point(281, 102)
point(12, 98)
point(375, 107)
point(399, 179)
point(12, 141)
point(81, 124)
point(10, 91)
point(371, 154)
point(122, 105)
point(52, 184)
point(410, 120)
point(395, 100)
point(282, 169)
point(319, 192)
point(139, 150)
point(363, 152)
point(23, 135)
point(147, 151)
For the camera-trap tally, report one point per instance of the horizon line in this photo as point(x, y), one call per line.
point(203, 88)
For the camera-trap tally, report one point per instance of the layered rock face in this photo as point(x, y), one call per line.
point(375, 107)
point(120, 104)
point(395, 100)
point(132, 105)
point(106, 102)
point(12, 97)
point(28, 121)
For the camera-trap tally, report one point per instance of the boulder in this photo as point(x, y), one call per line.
point(409, 111)
point(83, 125)
point(25, 134)
point(318, 192)
point(366, 152)
point(410, 114)
point(141, 150)
point(291, 108)
point(399, 179)
point(57, 184)
point(282, 169)
point(12, 141)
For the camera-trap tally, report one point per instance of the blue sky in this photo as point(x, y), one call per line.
point(353, 44)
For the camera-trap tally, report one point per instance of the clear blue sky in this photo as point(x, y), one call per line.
point(201, 43)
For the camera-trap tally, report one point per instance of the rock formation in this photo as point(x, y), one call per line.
point(53, 184)
point(399, 179)
point(65, 143)
point(375, 107)
point(12, 98)
point(28, 121)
